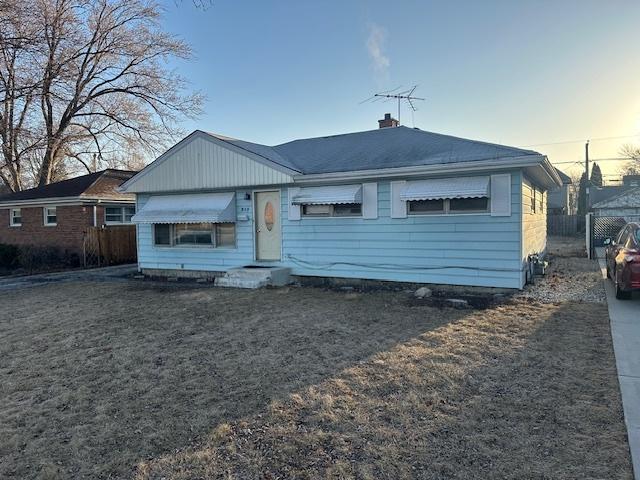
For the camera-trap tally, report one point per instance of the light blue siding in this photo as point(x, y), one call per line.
point(456, 249)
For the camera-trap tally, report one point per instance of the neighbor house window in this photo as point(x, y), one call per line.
point(50, 216)
point(337, 210)
point(195, 235)
point(119, 214)
point(16, 217)
point(448, 205)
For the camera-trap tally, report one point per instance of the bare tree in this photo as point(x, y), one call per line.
point(18, 88)
point(632, 167)
point(103, 87)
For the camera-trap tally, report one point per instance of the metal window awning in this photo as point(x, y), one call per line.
point(190, 208)
point(440, 188)
point(331, 195)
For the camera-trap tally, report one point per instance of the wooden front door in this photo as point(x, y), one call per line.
point(268, 230)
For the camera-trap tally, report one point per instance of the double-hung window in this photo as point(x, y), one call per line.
point(337, 210)
point(50, 216)
point(330, 201)
point(15, 219)
point(444, 196)
point(212, 235)
point(448, 205)
point(113, 215)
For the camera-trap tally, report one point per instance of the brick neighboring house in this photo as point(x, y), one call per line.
point(58, 214)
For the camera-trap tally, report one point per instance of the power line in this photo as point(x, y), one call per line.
point(614, 159)
point(581, 141)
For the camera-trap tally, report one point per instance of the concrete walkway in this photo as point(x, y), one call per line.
point(625, 330)
point(118, 272)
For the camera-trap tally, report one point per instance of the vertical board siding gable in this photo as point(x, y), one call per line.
point(203, 164)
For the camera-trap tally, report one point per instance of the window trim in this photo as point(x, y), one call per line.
point(122, 214)
point(214, 245)
point(45, 211)
point(331, 211)
point(11, 222)
point(446, 205)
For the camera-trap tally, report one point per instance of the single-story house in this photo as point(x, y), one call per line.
point(561, 201)
point(600, 194)
point(58, 214)
point(395, 203)
point(625, 204)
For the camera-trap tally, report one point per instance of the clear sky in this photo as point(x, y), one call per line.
point(514, 72)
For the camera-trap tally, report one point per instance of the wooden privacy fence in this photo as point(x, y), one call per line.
point(110, 245)
point(565, 225)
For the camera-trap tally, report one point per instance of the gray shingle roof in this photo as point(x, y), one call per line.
point(73, 187)
point(600, 194)
point(628, 198)
point(376, 149)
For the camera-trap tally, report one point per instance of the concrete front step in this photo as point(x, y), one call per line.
point(247, 277)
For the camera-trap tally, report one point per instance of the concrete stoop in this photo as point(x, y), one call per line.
point(254, 277)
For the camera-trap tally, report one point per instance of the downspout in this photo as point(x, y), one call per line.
point(95, 213)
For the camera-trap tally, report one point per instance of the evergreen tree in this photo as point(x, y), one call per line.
point(582, 195)
point(596, 176)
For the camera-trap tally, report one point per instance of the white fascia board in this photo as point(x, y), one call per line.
point(124, 188)
point(55, 201)
point(425, 170)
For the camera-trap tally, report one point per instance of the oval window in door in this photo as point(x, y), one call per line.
point(269, 216)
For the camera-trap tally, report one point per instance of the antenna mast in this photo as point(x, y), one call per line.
point(406, 95)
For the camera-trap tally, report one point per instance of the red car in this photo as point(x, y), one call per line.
point(622, 256)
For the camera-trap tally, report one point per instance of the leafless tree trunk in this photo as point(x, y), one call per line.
point(101, 85)
point(18, 87)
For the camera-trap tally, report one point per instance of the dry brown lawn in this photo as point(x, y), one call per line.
point(139, 380)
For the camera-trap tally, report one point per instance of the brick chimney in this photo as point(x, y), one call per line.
point(387, 121)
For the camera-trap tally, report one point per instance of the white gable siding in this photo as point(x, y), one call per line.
point(200, 164)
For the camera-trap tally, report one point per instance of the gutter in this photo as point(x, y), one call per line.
point(502, 163)
point(37, 202)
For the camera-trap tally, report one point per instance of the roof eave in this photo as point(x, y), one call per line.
point(549, 176)
point(76, 200)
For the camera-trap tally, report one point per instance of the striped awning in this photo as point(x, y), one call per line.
point(331, 195)
point(189, 208)
point(440, 188)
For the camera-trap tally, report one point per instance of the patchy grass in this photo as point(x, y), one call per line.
point(139, 380)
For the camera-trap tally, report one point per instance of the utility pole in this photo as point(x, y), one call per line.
point(586, 169)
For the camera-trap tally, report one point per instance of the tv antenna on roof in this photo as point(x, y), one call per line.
point(394, 95)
